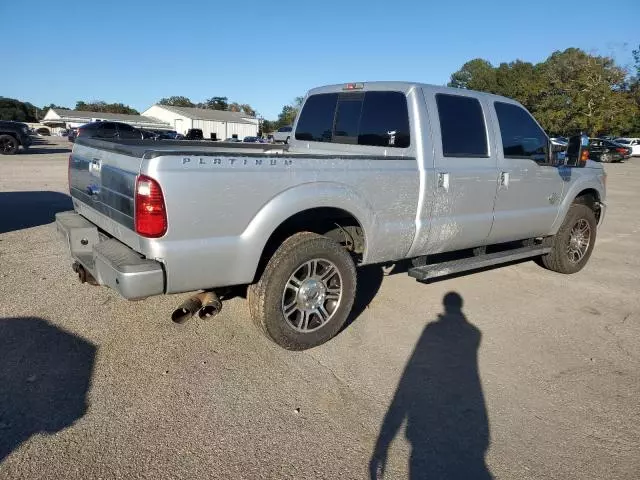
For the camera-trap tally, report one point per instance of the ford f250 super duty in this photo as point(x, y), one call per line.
point(448, 179)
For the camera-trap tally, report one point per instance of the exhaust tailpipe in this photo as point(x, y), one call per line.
point(211, 305)
point(187, 310)
point(205, 304)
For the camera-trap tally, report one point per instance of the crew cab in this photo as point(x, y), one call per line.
point(448, 179)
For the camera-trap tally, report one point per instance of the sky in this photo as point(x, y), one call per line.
point(267, 53)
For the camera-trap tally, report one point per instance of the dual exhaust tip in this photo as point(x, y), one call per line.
point(205, 305)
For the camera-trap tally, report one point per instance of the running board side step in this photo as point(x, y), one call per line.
point(435, 270)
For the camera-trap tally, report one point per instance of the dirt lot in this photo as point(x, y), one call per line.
point(542, 381)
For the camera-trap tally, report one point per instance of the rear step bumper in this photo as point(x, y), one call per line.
point(110, 262)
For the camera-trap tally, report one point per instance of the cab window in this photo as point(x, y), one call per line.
point(521, 135)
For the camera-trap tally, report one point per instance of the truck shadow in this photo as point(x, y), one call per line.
point(20, 210)
point(440, 400)
point(45, 374)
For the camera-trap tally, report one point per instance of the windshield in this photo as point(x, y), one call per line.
point(623, 141)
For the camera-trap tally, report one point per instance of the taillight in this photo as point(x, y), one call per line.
point(151, 215)
point(584, 156)
point(621, 150)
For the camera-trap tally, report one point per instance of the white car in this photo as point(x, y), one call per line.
point(632, 143)
point(283, 135)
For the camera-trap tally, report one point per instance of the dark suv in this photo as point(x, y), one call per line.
point(13, 135)
point(106, 130)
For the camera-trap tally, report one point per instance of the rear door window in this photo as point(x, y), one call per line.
point(521, 135)
point(378, 119)
point(107, 130)
point(462, 126)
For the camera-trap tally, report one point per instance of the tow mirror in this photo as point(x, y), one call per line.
point(577, 151)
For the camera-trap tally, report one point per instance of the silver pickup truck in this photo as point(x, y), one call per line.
point(447, 179)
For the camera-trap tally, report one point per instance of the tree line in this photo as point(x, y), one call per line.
point(570, 92)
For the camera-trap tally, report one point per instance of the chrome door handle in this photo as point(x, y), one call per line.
point(443, 181)
point(504, 179)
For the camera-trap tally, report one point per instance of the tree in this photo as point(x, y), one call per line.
point(569, 92)
point(104, 107)
point(289, 112)
point(54, 106)
point(217, 103)
point(235, 107)
point(476, 74)
point(248, 110)
point(176, 101)
point(268, 126)
point(12, 109)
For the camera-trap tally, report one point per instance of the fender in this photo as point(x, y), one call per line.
point(582, 182)
point(298, 199)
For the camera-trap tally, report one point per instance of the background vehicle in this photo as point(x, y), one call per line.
point(109, 130)
point(606, 151)
point(13, 135)
point(283, 135)
point(73, 133)
point(632, 143)
point(194, 134)
point(374, 173)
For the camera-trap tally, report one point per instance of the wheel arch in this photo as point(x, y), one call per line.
point(590, 195)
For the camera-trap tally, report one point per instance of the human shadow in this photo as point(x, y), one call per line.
point(20, 210)
point(440, 397)
point(45, 374)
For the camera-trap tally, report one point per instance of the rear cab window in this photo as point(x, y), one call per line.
point(371, 118)
point(521, 136)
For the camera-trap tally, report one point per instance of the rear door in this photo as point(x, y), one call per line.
point(465, 173)
point(530, 186)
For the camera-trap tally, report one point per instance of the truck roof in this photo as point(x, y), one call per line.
point(403, 87)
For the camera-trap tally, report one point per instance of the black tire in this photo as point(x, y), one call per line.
point(267, 297)
point(8, 145)
point(560, 259)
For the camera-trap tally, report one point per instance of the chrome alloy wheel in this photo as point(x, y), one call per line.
point(312, 295)
point(579, 241)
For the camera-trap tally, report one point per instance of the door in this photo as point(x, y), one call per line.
point(465, 174)
point(178, 124)
point(530, 186)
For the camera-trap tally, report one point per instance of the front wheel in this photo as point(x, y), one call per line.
point(306, 292)
point(572, 245)
point(8, 145)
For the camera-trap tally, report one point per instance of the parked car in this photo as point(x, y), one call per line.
point(109, 130)
point(63, 132)
point(194, 134)
point(606, 151)
point(233, 140)
point(374, 173)
point(252, 139)
point(73, 133)
point(168, 135)
point(632, 143)
point(13, 135)
point(283, 135)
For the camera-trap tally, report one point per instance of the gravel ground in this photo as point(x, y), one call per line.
point(540, 381)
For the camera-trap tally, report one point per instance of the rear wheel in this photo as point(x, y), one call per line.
point(573, 244)
point(305, 293)
point(606, 158)
point(8, 145)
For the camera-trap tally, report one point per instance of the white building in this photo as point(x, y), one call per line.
point(221, 123)
point(57, 118)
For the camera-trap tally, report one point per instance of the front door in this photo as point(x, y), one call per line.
point(530, 185)
point(465, 174)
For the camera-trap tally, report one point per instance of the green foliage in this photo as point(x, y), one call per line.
point(177, 101)
point(215, 103)
point(569, 92)
point(104, 107)
point(46, 108)
point(268, 126)
point(12, 109)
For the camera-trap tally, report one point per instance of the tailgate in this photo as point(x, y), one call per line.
point(102, 183)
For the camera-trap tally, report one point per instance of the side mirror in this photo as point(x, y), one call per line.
point(577, 151)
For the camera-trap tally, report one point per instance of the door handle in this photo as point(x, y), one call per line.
point(504, 179)
point(443, 181)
